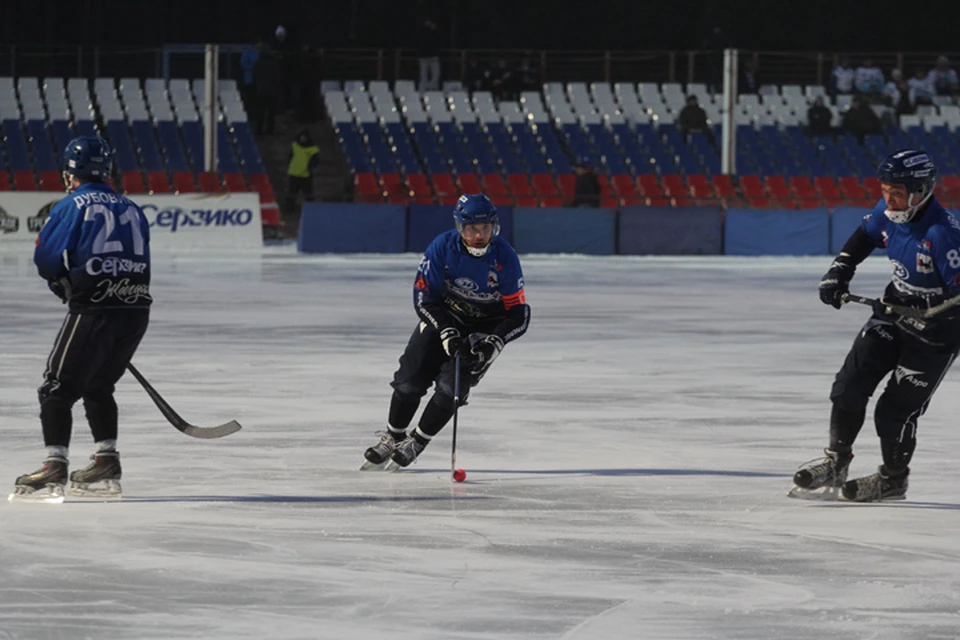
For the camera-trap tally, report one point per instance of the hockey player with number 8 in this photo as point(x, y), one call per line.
point(468, 294)
point(922, 241)
point(94, 253)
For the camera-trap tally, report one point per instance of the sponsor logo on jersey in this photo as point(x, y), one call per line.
point(924, 263)
point(113, 266)
point(910, 376)
point(492, 281)
point(8, 223)
point(176, 218)
point(420, 284)
point(466, 284)
point(122, 290)
point(899, 271)
point(884, 237)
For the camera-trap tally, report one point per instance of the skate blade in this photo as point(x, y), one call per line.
point(50, 494)
point(388, 467)
point(826, 494)
point(105, 490)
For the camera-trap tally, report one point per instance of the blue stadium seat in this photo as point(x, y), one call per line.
point(43, 155)
point(226, 157)
point(170, 145)
point(146, 143)
point(119, 139)
point(247, 146)
point(17, 151)
point(62, 134)
point(193, 138)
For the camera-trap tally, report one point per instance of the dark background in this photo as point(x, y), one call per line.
point(814, 25)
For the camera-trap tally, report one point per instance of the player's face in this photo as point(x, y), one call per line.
point(477, 235)
point(895, 195)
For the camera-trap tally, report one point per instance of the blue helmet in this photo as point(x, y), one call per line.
point(476, 208)
point(88, 158)
point(914, 169)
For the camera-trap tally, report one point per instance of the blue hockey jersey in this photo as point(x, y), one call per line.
point(454, 287)
point(924, 255)
point(100, 241)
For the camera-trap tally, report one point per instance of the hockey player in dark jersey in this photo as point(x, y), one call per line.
point(469, 296)
point(922, 241)
point(94, 253)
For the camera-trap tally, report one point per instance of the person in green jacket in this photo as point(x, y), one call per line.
point(304, 155)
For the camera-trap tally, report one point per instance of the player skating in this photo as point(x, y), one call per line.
point(922, 241)
point(468, 294)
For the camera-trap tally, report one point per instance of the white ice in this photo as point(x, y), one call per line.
point(628, 463)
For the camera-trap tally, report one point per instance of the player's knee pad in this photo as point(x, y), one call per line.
point(52, 390)
point(412, 389)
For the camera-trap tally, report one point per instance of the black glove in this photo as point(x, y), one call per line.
point(484, 349)
point(836, 281)
point(450, 339)
point(61, 287)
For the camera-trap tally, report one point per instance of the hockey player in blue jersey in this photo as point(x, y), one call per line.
point(94, 253)
point(922, 241)
point(468, 294)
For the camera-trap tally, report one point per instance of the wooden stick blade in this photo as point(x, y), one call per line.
point(210, 433)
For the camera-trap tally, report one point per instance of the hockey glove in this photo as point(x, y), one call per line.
point(62, 288)
point(836, 281)
point(450, 339)
point(484, 349)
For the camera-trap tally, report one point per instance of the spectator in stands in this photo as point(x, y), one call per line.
point(504, 81)
point(749, 81)
point(248, 60)
point(303, 158)
point(429, 42)
point(868, 81)
point(897, 92)
point(528, 74)
point(921, 88)
point(841, 80)
point(693, 119)
point(279, 43)
point(943, 78)
point(819, 119)
point(586, 190)
point(266, 77)
point(475, 78)
point(860, 120)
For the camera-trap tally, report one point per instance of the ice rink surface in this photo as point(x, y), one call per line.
point(628, 463)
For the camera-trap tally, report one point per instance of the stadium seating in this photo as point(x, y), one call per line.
point(155, 131)
point(523, 151)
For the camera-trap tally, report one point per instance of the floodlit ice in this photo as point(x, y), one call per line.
point(628, 463)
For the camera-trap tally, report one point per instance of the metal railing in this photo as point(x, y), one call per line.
point(186, 61)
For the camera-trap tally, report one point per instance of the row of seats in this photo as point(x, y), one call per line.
point(622, 189)
point(152, 182)
point(158, 129)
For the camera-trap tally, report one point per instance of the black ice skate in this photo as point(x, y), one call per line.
point(408, 451)
point(821, 479)
point(45, 484)
point(99, 479)
point(378, 456)
point(882, 485)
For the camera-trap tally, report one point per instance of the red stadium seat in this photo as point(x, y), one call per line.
point(4, 180)
point(210, 182)
point(519, 185)
point(623, 185)
point(673, 185)
point(606, 190)
point(759, 203)
point(424, 200)
point(527, 201)
point(183, 183)
point(398, 198)
point(259, 182)
point(649, 185)
point(419, 187)
point(752, 187)
point(551, 201)
point(851, 188)
point(833, 203)
point(51, 181)
point(448, 200)
point(803, 188)
point(722, 185)
point(809, 203)
point(132, 182)
point(367, 187)
point(777, 187)
point(469, 183)
point(699, 187)
point(682, 202)
point(827, 188)
point(872, 186)
point(493, 185)
point(234, 182)
point(270, 214)
point(633, 201)
point(157, 182)
point(394, 187)
point(502, 201)
point(543, 185)
point(567, 183)
point(443, 185)
point(609, 202)
point(24, 181)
